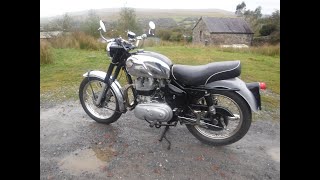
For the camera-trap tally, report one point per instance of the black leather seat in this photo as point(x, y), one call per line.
point(203, 74)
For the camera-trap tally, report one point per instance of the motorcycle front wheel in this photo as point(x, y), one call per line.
point(232, 129)
point(108, 111)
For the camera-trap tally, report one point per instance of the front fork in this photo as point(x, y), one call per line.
point(107, 82)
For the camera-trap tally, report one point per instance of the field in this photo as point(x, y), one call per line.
point(60, 81)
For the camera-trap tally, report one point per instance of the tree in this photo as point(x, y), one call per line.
point(128, 21)
point(240, 9)
point(66, 22)
point(267, 29)
point(261, 26)
point(257, 12)
point(62, 24)
point(275, 17)
point(91, 24)
point(254, 19)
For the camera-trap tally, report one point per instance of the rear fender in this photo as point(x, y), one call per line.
point(115, 86)
point(242, 90)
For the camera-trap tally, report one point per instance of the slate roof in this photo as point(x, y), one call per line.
point(226, 25)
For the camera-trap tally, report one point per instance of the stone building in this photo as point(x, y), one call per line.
point(222, 31)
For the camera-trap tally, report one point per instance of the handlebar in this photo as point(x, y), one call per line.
point(108, 40)
point(123, 42)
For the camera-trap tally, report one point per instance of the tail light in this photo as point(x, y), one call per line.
point(262, 85)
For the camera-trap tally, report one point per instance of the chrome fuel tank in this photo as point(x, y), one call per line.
point(149, 64)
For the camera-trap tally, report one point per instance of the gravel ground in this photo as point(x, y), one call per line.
point(73, 146)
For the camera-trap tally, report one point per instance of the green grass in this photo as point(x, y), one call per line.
point(61, 80)
point(268, 50)
point(63, 77)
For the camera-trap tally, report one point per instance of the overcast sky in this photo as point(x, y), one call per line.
point(58, 7)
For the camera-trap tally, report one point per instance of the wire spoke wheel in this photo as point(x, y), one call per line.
point(232, 126)
point(107, 110)
point(108, 106)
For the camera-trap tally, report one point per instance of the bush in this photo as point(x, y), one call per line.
point(46, 56)
point(175, 36)
point(189, 39)
point(65, 41)
point(275, 37)
point(169, 35)
point(86, 41)
point(164, 34)
point(267, 29)
point(76, 40)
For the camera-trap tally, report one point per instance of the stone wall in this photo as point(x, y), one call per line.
point(218, 39)
point(196, 33)
point(228, 39)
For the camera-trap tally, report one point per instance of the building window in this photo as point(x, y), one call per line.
point(200, 36)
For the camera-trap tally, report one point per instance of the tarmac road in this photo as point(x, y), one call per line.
point(73, 146)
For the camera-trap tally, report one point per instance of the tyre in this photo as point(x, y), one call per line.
point(108, 111)
point(234, 129)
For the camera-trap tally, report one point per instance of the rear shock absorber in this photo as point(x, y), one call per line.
point(209, 102)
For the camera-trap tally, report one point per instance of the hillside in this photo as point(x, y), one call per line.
point(176, 15)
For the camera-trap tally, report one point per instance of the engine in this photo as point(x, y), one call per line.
point(151, 72)
point(153, 112)
point(151, 104)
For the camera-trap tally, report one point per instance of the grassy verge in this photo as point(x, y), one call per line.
point(61, 79)
point(46, 56)
point(76, 40)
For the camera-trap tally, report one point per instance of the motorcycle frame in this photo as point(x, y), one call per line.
point(193, 93)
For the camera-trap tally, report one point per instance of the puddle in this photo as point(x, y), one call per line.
point(104, 154)
point(90, 160)
point(274, 153)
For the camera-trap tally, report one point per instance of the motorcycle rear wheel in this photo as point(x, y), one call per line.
point(214, 138)
point(109, 111)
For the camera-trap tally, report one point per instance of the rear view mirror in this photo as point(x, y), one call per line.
point(102, 26)
point(152, 25)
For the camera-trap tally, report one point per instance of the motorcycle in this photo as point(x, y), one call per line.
point(211, 100)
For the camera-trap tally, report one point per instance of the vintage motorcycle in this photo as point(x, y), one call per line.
point(214, 104)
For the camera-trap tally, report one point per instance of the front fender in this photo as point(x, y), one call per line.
point(115, 86)
point(236, 83)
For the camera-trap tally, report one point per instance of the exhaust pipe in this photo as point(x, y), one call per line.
point(126, 96)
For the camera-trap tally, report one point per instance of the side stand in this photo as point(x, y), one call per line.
point(163, 135)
